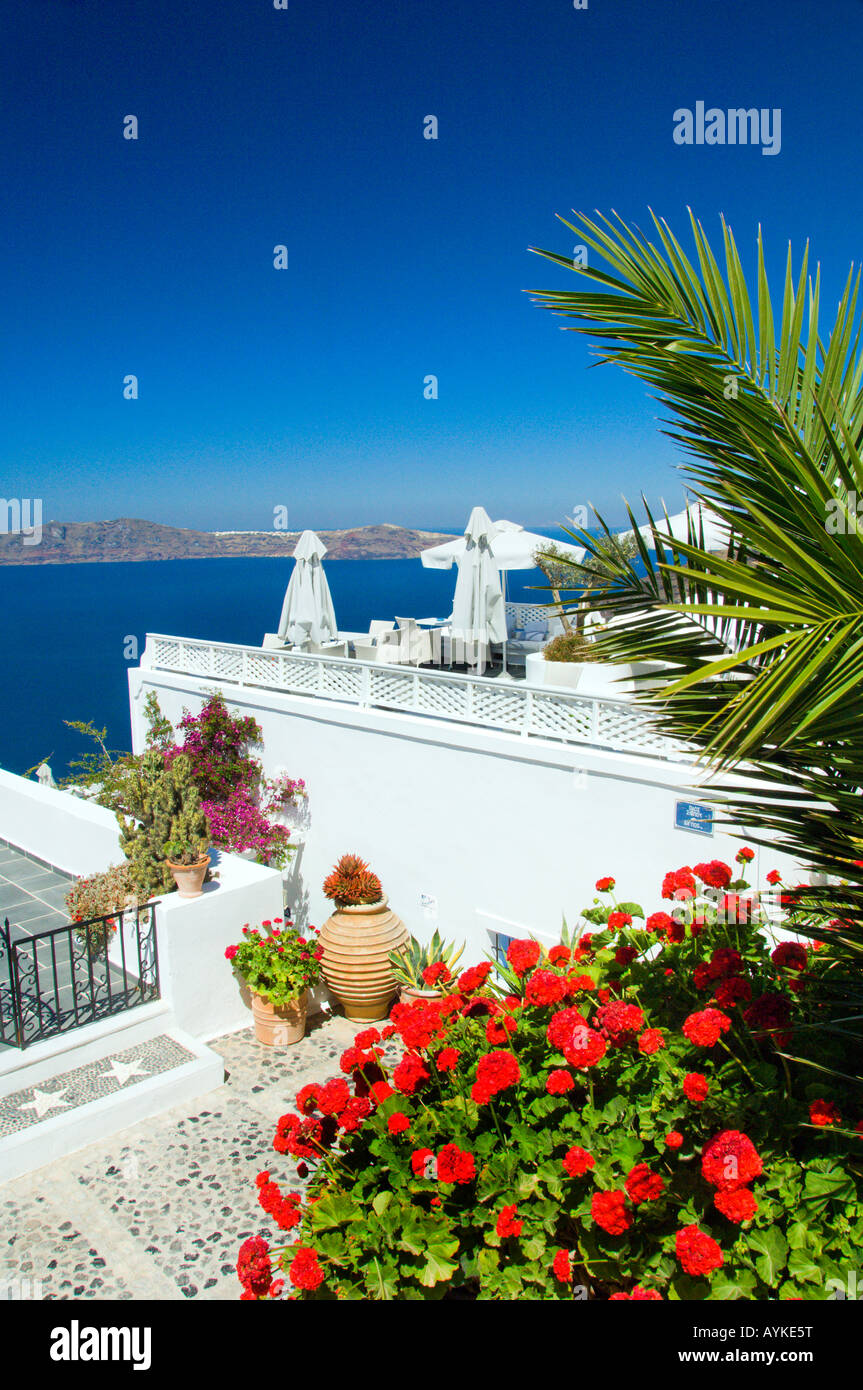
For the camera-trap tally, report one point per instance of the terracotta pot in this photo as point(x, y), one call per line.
point(407, 995)
point(189, 878)
point(279, 1027)
point(357, 942)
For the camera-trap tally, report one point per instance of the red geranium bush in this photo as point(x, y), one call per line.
point(609, 1119)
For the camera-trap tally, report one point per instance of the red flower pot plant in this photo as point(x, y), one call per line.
point(279, 965)
point(653, 1108)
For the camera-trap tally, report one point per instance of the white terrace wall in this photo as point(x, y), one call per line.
point(72, 834)
point(472, 831)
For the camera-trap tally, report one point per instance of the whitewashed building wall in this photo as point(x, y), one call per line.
point(471, 830)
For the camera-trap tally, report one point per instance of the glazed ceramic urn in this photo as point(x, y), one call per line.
point(356, 943)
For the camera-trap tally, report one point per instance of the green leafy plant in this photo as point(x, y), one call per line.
point(426, 967)
point(762, 643)
point(277, 962)
point(617, 1120)
point(570, 646)
point(352, 883)
point(100, 896)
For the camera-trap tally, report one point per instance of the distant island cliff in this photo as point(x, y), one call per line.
point(88, 542)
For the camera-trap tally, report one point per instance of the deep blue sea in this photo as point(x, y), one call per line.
point(64, 630)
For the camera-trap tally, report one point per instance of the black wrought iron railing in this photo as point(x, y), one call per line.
point(53, 981)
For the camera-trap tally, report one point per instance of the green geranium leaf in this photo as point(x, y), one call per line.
point(772, 1252)
point(440, 1264)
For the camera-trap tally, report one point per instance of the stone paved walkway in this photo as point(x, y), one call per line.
point(159, 1210)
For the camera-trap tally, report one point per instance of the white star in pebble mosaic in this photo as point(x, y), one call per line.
point(121, 1071)
point(43, 1101)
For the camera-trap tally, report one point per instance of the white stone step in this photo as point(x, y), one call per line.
point(45, 1118)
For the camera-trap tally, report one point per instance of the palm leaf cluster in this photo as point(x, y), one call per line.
point(762, 644)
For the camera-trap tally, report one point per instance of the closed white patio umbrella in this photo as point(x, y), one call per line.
point(508, 547)
point(478, 614)
point(307, 612)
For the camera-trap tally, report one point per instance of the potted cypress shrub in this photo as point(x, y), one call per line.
point(357, 940)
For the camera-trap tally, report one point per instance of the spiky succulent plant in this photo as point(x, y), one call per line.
point(411, 963)
point(352, 883)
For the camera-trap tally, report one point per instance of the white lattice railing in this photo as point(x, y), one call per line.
point(519, 708)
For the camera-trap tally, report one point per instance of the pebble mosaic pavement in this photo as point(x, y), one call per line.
point(159, 1210)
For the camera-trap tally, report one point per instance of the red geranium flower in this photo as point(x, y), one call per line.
point(659, 922)
point(507, 1225)
point(680, 884)
point(455, 1165)
point(523, 955)
point(695, 1087)
point(559, 953)
point(616, 920)
point(730, 1160)
point(790, 955)
point(447, 1059)
point(398, 1122)
point(422, 1163)
point(609, 1211)
point(562, 1266)
point(674, 1139)
point(651, 1040)
point(715, 874)
point(768, 1017)
point(706, 1027)
point(410, 1073)
point(604, 885)
point(638, 1295)
point(734, 990)
point(305, 1272)
point(738, 1204)
point(474, 977)
point(495, 1072)
point(253, 1266)
point(697, 1251)
point(774, 876)
point(577, 1162)
point(824, 1112)
point(561, 1026)
point(558, 1082)
point(642, 1185)
point(584, 1046)
point(619, 1021)
point(544, 987)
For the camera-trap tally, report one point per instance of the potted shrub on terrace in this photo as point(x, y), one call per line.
point(188, 860)
point(571, 660)
point(163, 817)
point(280, 966)
point(357, 940)
point(103, 897)
point(424, 972)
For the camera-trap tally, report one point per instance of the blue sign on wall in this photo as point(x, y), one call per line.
point(691, 815)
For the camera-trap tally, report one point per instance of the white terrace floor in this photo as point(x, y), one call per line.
point(159, 1211)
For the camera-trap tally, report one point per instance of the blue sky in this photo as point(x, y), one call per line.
point(407, 256)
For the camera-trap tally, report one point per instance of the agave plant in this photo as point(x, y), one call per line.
point(410, 963)
point(763, 643)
